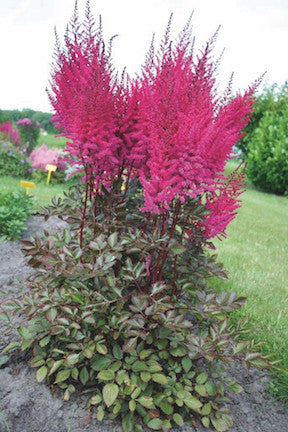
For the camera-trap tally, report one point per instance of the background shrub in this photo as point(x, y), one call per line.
point(9, 134)
point(29, 133)
point(268, 143)
point(14, 211)
point(13, 161)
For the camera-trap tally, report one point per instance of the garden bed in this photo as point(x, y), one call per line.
point(29, 406)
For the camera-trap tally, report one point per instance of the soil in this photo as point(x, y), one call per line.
point(27, 406)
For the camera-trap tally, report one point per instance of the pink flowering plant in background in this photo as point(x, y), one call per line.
point(123, 304)
point(43, 156)
point(29, 132)
point(9, 133)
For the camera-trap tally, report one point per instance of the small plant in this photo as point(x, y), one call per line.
point(15, 208)
point(13, 161)
point(29, 133)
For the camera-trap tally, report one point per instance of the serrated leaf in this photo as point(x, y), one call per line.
point(206, 409)
point(43, 342)
point(101, 349)
point(201, 390)
point(178, 419)
point(84, 375)
point(166, 407)
point(11, 346)
point(146, 401)
point(55, 366)
point(130, 344)
point(72, 359)
point(62, 375)
point(101, 363)
point(106, 375)
point(211, 388)
point(145, 376)
point(110, 393)
point(160, 378)
point(202, 378)
point(192, 403)
point(186, 364)
point(95, 400)
point(145, 353)
point(117, 352)
point(179, 351)
point(155, 424)
point(25, 333)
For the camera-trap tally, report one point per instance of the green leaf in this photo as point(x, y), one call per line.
point(139, 366)
point(43, 342)
point(84, 375)
point(95, 400)
point(145, 376)
point(145, 353)
point(55, 366)
point(179, 351)
point(202, 378)
point(130, 345)
point(117, 352)
point(155, 424)
point(178, 419)
point(146, 401)
point(110, 393)
point(101, 363)
point(160, 378)
point(186, 364)
point(11, 347)
point(132, 405)
point(25, 333)
point(201, 390)
point(222, 424)
point(100, 413)
point(62, 375)
point(205, 421)
point(166, 407)
point(41, 373)
point(106, 375)
point(206, 409)
point(72, 359)
point(211, 388)
point(192, 403)
point(128, 422)
point(101, 349)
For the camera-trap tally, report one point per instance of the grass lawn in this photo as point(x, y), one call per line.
point(51, 142)
point(255, 255)
point(42, 193)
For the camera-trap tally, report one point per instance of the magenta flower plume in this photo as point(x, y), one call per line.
point(82, 96)
point(169, 127)
point(7, 131)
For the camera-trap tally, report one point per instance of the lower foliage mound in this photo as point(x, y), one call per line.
point(150, 351)
point(15, 208)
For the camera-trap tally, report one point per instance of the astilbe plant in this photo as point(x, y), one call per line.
point(122, 305)
point(29, 132)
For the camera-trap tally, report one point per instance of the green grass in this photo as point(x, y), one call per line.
point(51, 142)
point(42, 193)
point(255, 255)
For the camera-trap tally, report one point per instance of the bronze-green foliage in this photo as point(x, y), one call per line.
point(151, 353)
